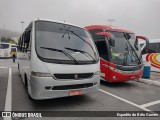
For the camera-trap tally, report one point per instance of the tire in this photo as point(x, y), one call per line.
point(26, 82)
point(19, 71)
point(26, 87)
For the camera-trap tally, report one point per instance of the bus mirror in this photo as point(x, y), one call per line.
point(112, 41)
point(147, 42)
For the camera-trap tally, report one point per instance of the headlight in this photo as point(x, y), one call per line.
point(40, 74)
point(102, 74)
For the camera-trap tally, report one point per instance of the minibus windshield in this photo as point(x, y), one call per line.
point(62, 43)
point(124, 51)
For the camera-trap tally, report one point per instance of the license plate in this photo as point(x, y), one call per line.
point(75, 92)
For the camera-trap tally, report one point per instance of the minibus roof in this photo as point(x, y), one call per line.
point(107, 27)
point(63, 22)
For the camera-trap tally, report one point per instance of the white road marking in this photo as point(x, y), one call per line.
point(8, 103)
point(14, 65)
point(4, 67)
point(124, 100)
point(150, 104)
point(153, 82)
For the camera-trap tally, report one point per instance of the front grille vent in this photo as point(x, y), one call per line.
point(74, 76)
point(68, 87)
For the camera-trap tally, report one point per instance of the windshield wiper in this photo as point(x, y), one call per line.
point(67, 31)
point(84, 52)
point(83, 40)
point(126, 55)
point(127, 38)
point(65, 53)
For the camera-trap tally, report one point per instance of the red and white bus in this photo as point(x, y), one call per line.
point(121, 58)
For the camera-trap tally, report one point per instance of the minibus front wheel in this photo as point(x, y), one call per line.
point(26, 86)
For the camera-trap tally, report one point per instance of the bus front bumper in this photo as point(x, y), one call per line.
point(38, 87)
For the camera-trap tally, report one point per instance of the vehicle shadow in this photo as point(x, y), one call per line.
point(61, 104)
point(128, 84)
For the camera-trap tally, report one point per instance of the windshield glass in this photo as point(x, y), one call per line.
point(58, 42)
point(4, 46)
point(125, 52)
point(13, 49)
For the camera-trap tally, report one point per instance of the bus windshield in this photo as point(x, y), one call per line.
point(13, 50)
point(4, 46)
point(57, 42)
point(124, 51)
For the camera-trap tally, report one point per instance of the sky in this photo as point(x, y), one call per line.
point(140, 16)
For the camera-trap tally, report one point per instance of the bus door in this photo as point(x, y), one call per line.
point(103, 49)
point(103, 53)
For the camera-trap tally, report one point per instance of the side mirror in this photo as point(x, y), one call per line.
point(146, 47)
point(112, 41)
point(109, 35)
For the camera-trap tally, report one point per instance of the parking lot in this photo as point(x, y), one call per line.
point(126, 96)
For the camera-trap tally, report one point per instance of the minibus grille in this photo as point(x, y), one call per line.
point(68, 87)
point(74, 76)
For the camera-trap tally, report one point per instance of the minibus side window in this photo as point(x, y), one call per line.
point(24, 41)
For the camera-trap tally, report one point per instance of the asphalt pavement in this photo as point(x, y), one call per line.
point(3, 87)
point(126, 96)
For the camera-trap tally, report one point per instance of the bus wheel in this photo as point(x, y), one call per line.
point(19, 71)
point(26, 86)
point(26, 82)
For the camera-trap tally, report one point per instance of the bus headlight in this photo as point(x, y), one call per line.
point(40, 74)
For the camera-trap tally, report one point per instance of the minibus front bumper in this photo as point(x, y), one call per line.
point(48, 87)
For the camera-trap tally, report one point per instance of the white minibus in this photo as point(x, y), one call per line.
point(57, 59)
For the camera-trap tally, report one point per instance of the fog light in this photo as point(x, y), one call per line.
point(102, 74)
point(94, 83)
point(114, 77)
point(48, 87)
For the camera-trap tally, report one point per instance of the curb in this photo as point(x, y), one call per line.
point(149, 81)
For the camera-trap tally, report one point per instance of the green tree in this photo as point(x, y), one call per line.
point(8, 40)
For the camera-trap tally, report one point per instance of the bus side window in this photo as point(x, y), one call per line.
point(24, 41)
point(20, 44)
point(159, 48)
point(153, 48)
